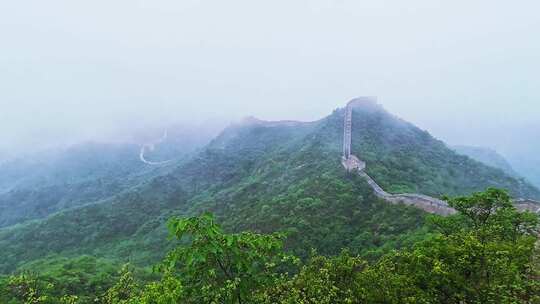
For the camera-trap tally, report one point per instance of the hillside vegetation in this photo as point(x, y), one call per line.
point(262, 177)
point(36, 186)
point(488, 157)
point(403, 158)
point(482, 254)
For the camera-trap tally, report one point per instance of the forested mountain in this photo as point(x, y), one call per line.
point(403, 158)
point(529, 168)
point(256, 175)
point(487, 156)
point(35, 186)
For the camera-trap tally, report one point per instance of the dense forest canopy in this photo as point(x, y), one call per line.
point(485, 253)
point(260, 178)
point(201, 152)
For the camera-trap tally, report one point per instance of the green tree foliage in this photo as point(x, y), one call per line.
point(264, 178)
point(219, 267)
point(322, 280)
point(124, 290)
point(483, 254)
point(254, 177)
point(167, 291)
point(26, 288)
point(84, 276)
point(211, 267)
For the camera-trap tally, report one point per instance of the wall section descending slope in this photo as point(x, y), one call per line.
point(429, 204)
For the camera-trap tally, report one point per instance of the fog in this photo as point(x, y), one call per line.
point(467, 71)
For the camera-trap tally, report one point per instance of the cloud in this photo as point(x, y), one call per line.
point(79, 69)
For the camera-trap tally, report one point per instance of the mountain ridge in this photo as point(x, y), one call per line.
point(267, 178)
point(487, 156)
point(429, 204)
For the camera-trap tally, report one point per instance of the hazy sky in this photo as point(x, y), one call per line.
point(464, 70)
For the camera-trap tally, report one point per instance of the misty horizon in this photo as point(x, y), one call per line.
point(240, 151)
point(71, 72)
point(139, 132)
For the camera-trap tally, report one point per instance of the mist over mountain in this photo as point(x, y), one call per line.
point(487, 156)
point(36, 185)
point(161, 151)
point(253, 175)
point(88, 76)
point(526, 163)
point(516, 143)
point(529, 168)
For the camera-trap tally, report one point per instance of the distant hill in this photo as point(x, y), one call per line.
point(32, 188)
point(403, 158)
point(35, 186)
point(487, 156)
point(529, 167)
point(271, 176)
point(521, 166)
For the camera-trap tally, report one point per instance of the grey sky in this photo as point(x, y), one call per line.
point(464, 70)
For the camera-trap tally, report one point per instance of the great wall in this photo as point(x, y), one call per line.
point(429, 204)
point(150, 147)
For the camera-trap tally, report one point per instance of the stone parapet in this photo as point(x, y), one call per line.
point(424, 202)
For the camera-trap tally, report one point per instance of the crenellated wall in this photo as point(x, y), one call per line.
point(424, 202)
